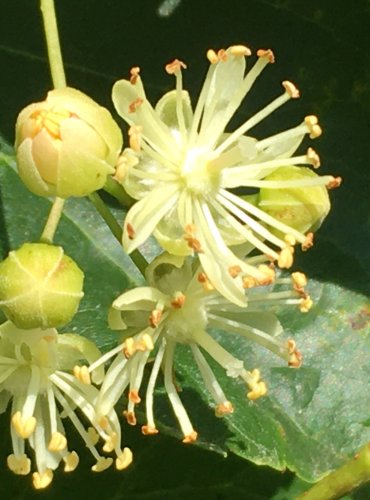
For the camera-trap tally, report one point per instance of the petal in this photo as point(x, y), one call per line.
point(136, 298)
point(28, 171)
point(144, 216)
point(155, 132)
point(166, 109)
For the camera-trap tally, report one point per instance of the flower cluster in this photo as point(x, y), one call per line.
point(182, 307)
point(182, 167)
point(228, 210)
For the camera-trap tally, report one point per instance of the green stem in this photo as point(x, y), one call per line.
point(116, 230)
point(55, 213)
point(343, 480)
point(53, 44)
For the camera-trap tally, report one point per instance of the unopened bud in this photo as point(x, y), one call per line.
point(40, 286)
point(302, 208)
point(66, 145)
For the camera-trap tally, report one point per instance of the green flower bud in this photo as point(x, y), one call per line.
point(40, 286)
point(66, 145)
point(303, 207)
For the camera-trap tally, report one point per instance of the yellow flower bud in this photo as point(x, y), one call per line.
point(301, 207)
point(66, 145)
point(40, 286)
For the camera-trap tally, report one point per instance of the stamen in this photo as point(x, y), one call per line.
point(42, 480)
point(178, 301)
point(110, 442)
point(130, 417)
point(295, 357)
point(299, 281)
point(58, 442)
point(130, 231)
point(20, 465)
point(135, 137)
point(258, 387)
point(82, 374)
point(285, 260)
point(24, 428)
point(124, 459)
point(134, 397)
point(313, 157)
point(147, 430)
point(267, 54)
point(334, 183)
point(308, 242)
point(313, 128)
point(224, 409)
point(71, 461)
point(175, 66)
point(134, 72)
point(291, 89)
point(240, 50)
point(305, 304)
point(222, 55)
point(190, 438)
point(135, 104)
point(102, 464)
point(155, 317)
point(212, 56)
point(207, 285)
point(234, 271)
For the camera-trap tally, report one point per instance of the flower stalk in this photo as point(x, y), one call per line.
point(53, 44)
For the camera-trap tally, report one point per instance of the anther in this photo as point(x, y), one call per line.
point(224, 409)
point(149, 430)
point(291, 89)
point(258, 390)
point(285, 259)
point(299, 281)
point(305, 304)
point(190, 438)
point(222, 55)
point(110, 442)
point(334, 183)
point(240, 50)
point(207, 285)
point(249, 282)
point(308, 242)
point(155, 318)
point(93, 435)
point(42, 480)
point(212, 56)
point(71, 461)
point(178, 301)
point(313, 158)
point(268, 275)
point(58, 442)
point(194, 244)
point(175, 66)
point(289, 238)
point(234, 271)
point(102, 464)
point(295, 357)
point(135, 104)
point(129, 347)
point(314, 128)
point(148, 342)
point(134, 397)
point(82, 374)
point(267, 53)
point(130, 231)
point(130, 417)
point(134, 134)
point(134, 74)
point(24, 428)
point(20, 465)
point(124, 459)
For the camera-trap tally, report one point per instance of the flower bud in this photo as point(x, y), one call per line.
point(40, 286)
point(302, 208)
point(66, 145)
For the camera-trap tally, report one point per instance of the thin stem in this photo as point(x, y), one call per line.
point(116, 230)
point(55, 213)
point(116, 190)
point(343, 480)
point(53, 44)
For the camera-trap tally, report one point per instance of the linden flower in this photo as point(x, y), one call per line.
point(182, 167)
point(33, 378)
point(181, 307)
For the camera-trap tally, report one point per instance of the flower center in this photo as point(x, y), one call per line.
point(197, 173)
point(184, 321)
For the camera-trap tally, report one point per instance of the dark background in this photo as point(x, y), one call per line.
point(323, 47)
